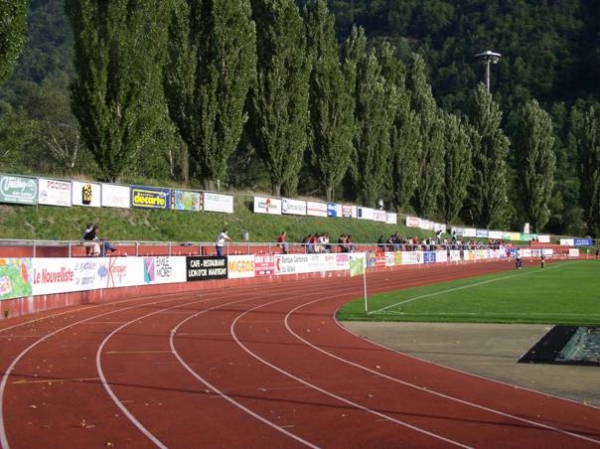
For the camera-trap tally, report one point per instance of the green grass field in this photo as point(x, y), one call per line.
point(566, 293)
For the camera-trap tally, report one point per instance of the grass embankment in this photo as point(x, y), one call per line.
point(562, 293)
point(60, 223)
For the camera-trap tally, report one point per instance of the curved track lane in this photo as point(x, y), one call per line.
point(257, 366)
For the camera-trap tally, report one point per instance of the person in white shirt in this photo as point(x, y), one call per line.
point(221, 238)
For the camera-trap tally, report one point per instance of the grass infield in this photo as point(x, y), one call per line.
point(563, 293)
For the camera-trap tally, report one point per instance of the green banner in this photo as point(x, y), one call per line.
point(18, 189)
point(15, 278)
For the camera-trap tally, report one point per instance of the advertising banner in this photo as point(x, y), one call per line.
point(206, 268)
point(115, 196)
point(214, 202)
point(334, 210)
point(342, 261)
point(379, 215)
point(86, 194)
point(187, 201)
point(349, 211)
point(413, 222)
point(412, 257)
point(391, 218)
point(150, 197)
point(58, 275)
point(429, 257)
point(316, 209)
point(18, 189)
point(292, 264)
point(365, 213)
point(15, 278)
point(54, 193)
point(293, 207)
point(271, 206)
point(441, 256)
point(239, 267)
point(264, 264)
point(164, 270)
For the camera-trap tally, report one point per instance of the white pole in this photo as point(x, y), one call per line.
point(365, 284)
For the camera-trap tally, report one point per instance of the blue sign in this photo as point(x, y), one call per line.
point(150, 197)
point(583, 241)
point(331, 210)
point(429, 257)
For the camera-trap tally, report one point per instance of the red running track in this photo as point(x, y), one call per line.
point(255, 367)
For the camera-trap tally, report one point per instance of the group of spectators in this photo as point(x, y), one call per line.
point(317, 243)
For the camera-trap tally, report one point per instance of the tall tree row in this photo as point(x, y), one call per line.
point(536, 164)
point(488, 189)
point(211, 66)
point(430, 171)
point(589, 169)
point(331, 100)
point(279, 99)
point(376, 101)
point(117, 94)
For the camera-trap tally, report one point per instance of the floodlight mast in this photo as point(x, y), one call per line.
point(488, 57)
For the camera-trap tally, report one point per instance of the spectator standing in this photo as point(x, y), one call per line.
point(90, 240)
point(221, 238)
point(282, 243)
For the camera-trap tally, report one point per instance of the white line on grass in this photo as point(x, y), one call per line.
point(464, 287)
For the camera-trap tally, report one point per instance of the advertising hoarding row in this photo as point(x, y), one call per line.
point(53, 192)
point(23, 277)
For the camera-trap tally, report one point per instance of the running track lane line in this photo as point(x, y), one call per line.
point(325, 392)
point(435, 393)
point(3, 437)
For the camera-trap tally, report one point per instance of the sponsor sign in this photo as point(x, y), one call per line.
point(412, 257)
point(316, 209)
point(264, 264)
point(15, 278)
point(342, 261)
point(86, 194)
point(18, 189)
point(214, 202)
point(379, 215)
point(413, 222)
point(349, 211)
point(365, 213)
point(391, 218)
point(54, 193)
point(186, 200)
point(164, 270)
point(150, 197)
point(334, 210)
point(429, 257)
point(441, 256)
point(115, 196)
point(206, 268)
point(496, 235)
point(271, 206)
point(60, 275)
point(583, 242)
point(239, 267)
point(293, 207)
point(482, 233)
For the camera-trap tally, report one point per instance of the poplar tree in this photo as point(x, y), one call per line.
point(404, 133)
point(117, 95)
point(331, 101)
point(457, 166)
point(279, 99)
point(430, 170)
point(211, 66)
point(375, 102)
point(589, 170)
point(488, 189)
point(13, 25)
point(536, 164)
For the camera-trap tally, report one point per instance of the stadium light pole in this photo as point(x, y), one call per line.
point(488, 57)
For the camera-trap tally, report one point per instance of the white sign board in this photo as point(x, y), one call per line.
point(54, 193)
point(115, 196)
point(86, 194)
point(214, 202)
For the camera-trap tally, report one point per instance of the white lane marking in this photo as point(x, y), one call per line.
point(427, 390)
point(463, 287)
point(328, 393)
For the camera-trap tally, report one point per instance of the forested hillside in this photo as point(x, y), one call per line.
point(355, 100)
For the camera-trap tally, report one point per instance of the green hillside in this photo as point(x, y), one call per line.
point(58, 223)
